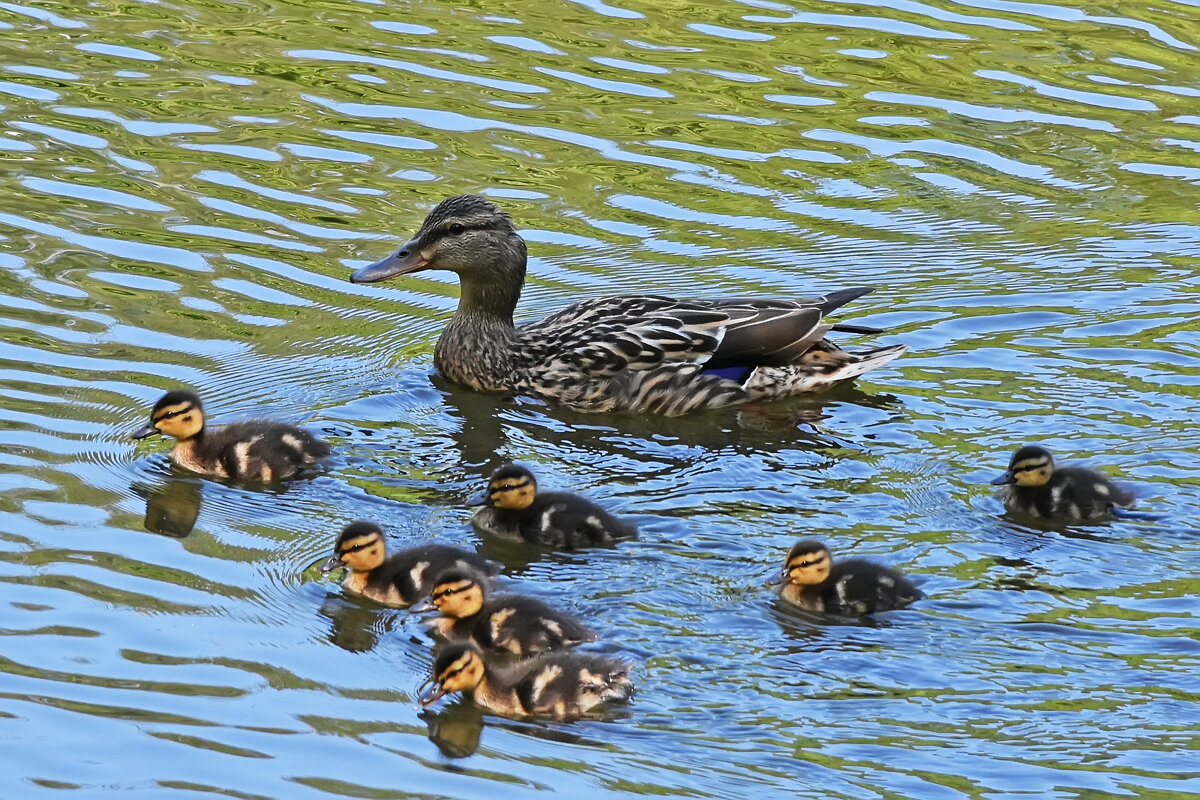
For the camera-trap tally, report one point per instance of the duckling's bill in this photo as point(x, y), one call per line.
point(408, 259)
point(146, 430)
point(430, 692)
point(332, 563)
point(1008, 477)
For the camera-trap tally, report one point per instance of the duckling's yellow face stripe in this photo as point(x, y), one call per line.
point(362, 553)
point(512, 493)
point(458, 599)
point(463, 674)
point(182, 420)
point(808, 569)
point(1032, 472)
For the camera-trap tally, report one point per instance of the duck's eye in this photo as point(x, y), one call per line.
point(455, 229)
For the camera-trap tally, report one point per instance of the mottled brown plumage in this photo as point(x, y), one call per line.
point(636, 352)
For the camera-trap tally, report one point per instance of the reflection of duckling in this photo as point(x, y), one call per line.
point(1032, 485)
point(256, 450)
point(814, 582)
point(555, 685)
point(509, 622)
point(401, 579)
point(514, 509)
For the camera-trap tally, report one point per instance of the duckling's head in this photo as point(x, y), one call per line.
point(807, 564)
point(177, 414)
point(1030, 467)
point(457, 592)
point(360, 546)
point(511, 487)
point(458, 668)
point(468, 235)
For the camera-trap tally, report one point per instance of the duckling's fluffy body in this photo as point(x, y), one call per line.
point(402, 578)
point(815, 582)
point(508, 623)
point(1034, 486)
point(634, 352)
point(255, 450)
point(553, 685)
point(515, 509)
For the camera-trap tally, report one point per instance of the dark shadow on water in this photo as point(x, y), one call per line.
point(456, 728)
point(355, 627)
point(171, 507)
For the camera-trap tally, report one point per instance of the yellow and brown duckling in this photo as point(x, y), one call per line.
point(513, 508)
point(507, 623)
point(255, 450)
point(402, 578)
point(553, 685)
point(813, 581)
point(1034, 486)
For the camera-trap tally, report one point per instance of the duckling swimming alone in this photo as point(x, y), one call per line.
point(402, 578)
point(635, 352)
point(255, 450)
point(1033, 485)
point(853, 586)
point(555, 685)
point(515, 509)
point(508, 623)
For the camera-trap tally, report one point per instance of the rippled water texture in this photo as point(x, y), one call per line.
point(187, 185)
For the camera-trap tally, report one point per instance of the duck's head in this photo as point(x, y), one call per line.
point(807, 564)
point(457, 592)
point(512, 487)
point(177, 414)
point(1031, 466)
point(458, 668)
point(468, 235)
point(360, 546)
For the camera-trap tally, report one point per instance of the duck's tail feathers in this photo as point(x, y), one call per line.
point(767, 382)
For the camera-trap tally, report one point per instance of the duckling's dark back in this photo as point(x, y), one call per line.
point(857, 586)
point(568, 521)
point(525, 625)
point(566, 685)
point(244, 449)
point(1073, 493)
point(412, 571)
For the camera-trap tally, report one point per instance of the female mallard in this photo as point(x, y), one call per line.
point(813, 581)
point(504, 623)
point(400, 579)
point(635, 352)
point(1032, 485)
point(553, 685)
point(256, 450)
point(513, 508)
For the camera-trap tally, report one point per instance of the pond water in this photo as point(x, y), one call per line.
point(187, 185)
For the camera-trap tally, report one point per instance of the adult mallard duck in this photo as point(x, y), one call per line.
point(555, 685)
point(633, 352)
point(1034, 486)
point(813, 581)
point(256, 450)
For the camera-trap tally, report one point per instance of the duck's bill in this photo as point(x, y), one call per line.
point(423, 607)
point(776, 579)
point(432, 692)
point(333, 563)
point(406, 260)
point(1008, 477)
point(146, 430)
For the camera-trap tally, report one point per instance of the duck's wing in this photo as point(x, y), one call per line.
point(605, 336)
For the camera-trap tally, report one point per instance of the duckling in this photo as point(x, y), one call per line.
point(402, 578)
point(814, 582)
point(1033, 485)
point(555, 685)
point(256, 450)
point(507, 623)
point(514, 509)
